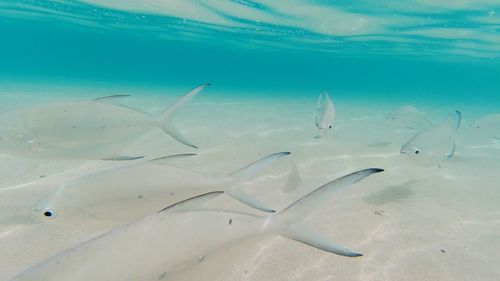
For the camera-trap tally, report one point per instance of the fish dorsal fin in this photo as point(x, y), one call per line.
point(167, 159)
point(302, 233)
point(116, 100)
point(303, 206)
point(192, 202)
point(318, 107)
point(111, 99)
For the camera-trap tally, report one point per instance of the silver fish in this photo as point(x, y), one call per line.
point(93, 129)
point(152, 247)
point(124, 194)
point(325, 114)
point(436, 142)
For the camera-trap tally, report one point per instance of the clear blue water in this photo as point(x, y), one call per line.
point(412, 50)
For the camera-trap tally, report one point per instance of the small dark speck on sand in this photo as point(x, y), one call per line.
point(42, 176)
point(443, 251)
point(379, 212)
point(171, 193)
point(230, 221)
point(140, 196)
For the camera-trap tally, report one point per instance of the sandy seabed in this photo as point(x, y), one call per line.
point(412, 222)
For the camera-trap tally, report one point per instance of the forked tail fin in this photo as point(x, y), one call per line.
point(166, 117)
point(233, 179)
point(303, 206)
point(458, 116)
point(290, 220)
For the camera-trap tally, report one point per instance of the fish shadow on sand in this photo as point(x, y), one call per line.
point(390, 194)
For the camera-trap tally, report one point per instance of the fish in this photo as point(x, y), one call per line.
point(325, 114)
point(91, 130)
point(436, 142)
point(488, 125)
point(410, 117)
point(150, 248)
point(123, 194)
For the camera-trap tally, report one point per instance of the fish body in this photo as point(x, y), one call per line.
point(325, 114)
point(436, 142)
point(93, 129)
point(72, 130)
point(155, 245)
point(121, 195)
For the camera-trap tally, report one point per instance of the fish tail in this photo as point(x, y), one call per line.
point(244, 173)
point(166, 117)
point(455, 117)
point(289, 221)
point(459, 119)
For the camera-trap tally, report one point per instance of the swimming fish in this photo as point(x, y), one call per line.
point(121, 195)
point(92, 129)
point(436, 142)
point(488, 125)
point(325, 114)
point(409, 116)
point(152, 247)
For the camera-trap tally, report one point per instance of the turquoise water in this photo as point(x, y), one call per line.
point(267, 60)
point(388, 50)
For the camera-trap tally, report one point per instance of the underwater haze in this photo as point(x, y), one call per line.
point(416, 49)
point(411, 87)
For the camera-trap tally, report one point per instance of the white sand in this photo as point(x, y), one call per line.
point(411, 222)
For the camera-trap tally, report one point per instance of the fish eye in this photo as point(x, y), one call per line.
point(49, 213)
point(416, 151)
point(329, 127)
